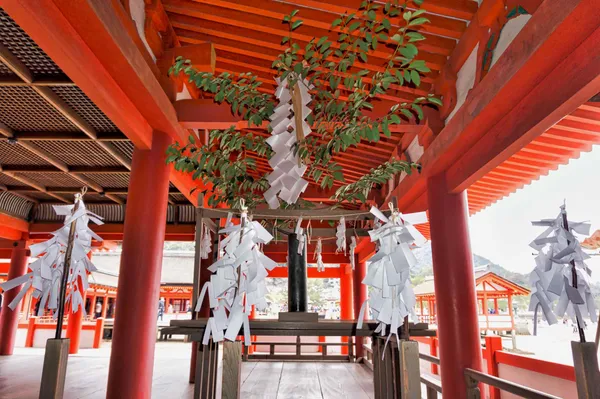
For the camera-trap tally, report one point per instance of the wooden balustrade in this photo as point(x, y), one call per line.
point(474, 377)
point(324, 355)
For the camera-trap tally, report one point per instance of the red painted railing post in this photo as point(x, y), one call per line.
point(321, 339)
point(98, 332)
point(493, 343)
point(433, 351)
point(30, 332)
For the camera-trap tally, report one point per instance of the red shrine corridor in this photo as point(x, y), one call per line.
point(87, 375)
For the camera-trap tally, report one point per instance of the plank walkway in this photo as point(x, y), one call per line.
point(88, 372)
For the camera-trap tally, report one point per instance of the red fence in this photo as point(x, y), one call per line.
point(553, 378)
point(38, 325)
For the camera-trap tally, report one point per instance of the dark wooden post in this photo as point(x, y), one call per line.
point(297, 278)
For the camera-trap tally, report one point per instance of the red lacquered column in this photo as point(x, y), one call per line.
point(458, 325)
point(134, 336)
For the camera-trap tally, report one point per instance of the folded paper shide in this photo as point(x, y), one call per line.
point(238, 280)
point(47, 270)
point(561, 274)
point(288, 127)
point(392, 297)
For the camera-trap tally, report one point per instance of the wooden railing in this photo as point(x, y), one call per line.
point(473, 378)
point(433, 386)
point(323, 355)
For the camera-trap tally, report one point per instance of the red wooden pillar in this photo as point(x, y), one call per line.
point(134, 337)
point(9, 320)
point(252, 316)
point(74, 326)
point(493, 343)
point(345, 298)
point(104, 306)
point(455, 299)
point(360, 295)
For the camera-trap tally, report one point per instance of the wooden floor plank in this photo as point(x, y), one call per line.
point(247, 368)
point(338, 381)
point(299, 381)
point(363, 376)
point(87, 376)
point(263, 380)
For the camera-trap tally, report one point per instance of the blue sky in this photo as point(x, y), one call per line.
point(502, 232)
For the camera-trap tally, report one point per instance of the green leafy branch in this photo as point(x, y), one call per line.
point(223, 166)
point(359, 190)
point(345, 86)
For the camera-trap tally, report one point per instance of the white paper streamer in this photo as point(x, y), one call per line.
point(286, 179)
point(46, 271)
point(392, 297)
point(205, 243)
point(352, 249)
point(340, 236)
point(551, 279)
point(319, 256)
point(238, 280)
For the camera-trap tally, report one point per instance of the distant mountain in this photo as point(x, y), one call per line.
point(424, 266)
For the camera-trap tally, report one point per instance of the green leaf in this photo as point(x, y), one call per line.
point(397, 38)
point(418, 21)
point(192, 139)
point(336, 22)
point(419, 110)
point(293, 13)
point(435, 100)
point(395, 119)
point(339, 176)
point(416, 78)
point(354, 26)
point(296, 24)
point(372, 15)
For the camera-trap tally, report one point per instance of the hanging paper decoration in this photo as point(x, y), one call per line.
point(561, 272)
point(352, 249)
point(288, 126)
point(340, 236)
point(300, 236)
point(319, 256)
point(392, 297)
point(46, 271)
point(205, 242)
point(238, 280)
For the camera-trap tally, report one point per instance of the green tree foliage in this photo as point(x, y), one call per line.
point(344, 93)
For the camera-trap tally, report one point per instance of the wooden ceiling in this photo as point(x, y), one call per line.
point(53, 138)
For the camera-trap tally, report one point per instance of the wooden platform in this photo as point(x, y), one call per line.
point(87, 374)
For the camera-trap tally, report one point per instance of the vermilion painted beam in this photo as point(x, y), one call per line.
point(206, 114)
point(558, 41)
point(329, 272)
point(453, 8)
point(327, 258)
point(281, 248)
point(245, 13)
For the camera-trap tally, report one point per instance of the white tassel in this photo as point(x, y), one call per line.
point(286, 180)
point(205, 243)
point(392, 298)
point(340, 235)
point(551, 279)
point(46, 272)
point(319, 256)
point(242, 262)
point(352, 249)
